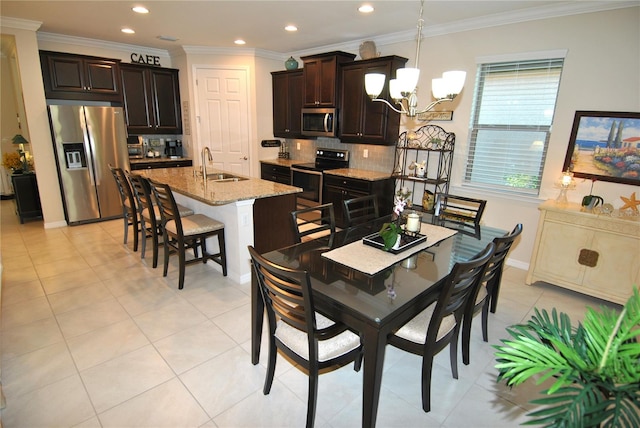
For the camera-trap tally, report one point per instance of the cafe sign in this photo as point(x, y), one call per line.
point(137, 58)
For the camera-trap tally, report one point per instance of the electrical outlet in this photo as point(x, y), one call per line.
point(365, 154)
point(298, 146)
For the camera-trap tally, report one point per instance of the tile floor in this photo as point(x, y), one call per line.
point(92, 336)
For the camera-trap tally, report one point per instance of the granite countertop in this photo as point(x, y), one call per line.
point(362, 174)
point(157, 160)
point(282, 162)
point(185, 182)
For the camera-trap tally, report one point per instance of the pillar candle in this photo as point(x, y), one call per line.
point(413, 222)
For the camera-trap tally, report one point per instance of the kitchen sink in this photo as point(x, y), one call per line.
point(224, 177)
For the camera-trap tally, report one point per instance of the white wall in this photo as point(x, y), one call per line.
point(8, 117)
point(601, 72)
point(38, 122)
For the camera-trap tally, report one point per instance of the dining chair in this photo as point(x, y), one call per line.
point(314, 222)
point(190, 232)
point(487, 297)
point(439, 324)
point(129, 208)
point(464, 212)
point(360, 210)
point(309, 339)
point(149, 214)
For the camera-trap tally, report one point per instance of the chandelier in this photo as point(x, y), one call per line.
point(403, 89)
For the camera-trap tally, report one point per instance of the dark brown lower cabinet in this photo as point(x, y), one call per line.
point(27, 198)
point(338, 189)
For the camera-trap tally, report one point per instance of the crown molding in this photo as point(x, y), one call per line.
point(209, 50)
point(102, 44)
point(530, 14)
point(20, 24)
point(507, 18)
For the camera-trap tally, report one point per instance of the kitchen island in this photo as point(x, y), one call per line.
point(254, 211)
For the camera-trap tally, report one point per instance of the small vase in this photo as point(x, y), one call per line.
point(291, 64)
point(427, 200)
point(397, 244)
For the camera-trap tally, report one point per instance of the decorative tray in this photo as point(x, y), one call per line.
point(406, 241)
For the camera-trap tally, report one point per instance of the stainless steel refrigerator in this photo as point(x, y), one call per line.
point(87, 140)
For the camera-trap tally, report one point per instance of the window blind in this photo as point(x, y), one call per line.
point(510, 124)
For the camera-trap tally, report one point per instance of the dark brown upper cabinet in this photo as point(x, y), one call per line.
point(288, 89)
point(80, 77)
point(151, 100)
point(322, 79)
point(361, 120)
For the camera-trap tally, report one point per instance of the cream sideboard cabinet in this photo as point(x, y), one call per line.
point(594, 254)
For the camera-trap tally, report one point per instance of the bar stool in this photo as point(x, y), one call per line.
point(188, 232)
point(149, 213)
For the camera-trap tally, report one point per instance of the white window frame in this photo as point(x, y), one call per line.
point(533, 135)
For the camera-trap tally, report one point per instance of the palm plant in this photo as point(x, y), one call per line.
point(596, 366)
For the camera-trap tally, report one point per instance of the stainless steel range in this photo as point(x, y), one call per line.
point(308, 176)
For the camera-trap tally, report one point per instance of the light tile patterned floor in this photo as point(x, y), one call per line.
point(92, 336)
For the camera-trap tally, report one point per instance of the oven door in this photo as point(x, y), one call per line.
point(311, 184)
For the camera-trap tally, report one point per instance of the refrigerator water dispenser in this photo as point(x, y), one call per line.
point(74, 155)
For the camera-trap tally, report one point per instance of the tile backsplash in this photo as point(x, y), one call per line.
point(379, 158)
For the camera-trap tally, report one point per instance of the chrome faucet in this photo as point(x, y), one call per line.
point(206, 151)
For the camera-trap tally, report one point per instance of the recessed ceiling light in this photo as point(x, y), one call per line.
point(365, 8)
point(168, 38)
point(140, 9)
point(240, 42)
point(291, 28)
point(128, 31)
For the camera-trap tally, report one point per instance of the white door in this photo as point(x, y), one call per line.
point(223, 117)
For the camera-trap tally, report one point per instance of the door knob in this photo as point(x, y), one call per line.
point(244, 158)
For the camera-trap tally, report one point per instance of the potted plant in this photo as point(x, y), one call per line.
point(12, 162)
point(17, 162)
point(595, 366)
point(391, 232)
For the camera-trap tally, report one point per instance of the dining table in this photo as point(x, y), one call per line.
point(372, 291)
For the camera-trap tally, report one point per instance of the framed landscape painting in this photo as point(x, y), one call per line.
point(605, 146)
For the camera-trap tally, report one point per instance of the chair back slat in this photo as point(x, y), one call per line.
point(463, 211)
point(286, 293)
point(286, 298)
point(360, 210)
point(126, 194)
point(312, 222)
point(503, 245)
point(142, 191)
point(460, 286)
point(167, 205)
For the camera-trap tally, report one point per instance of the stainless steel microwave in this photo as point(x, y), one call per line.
point(320, 122)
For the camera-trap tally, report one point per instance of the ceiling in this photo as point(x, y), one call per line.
point(261, 23)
